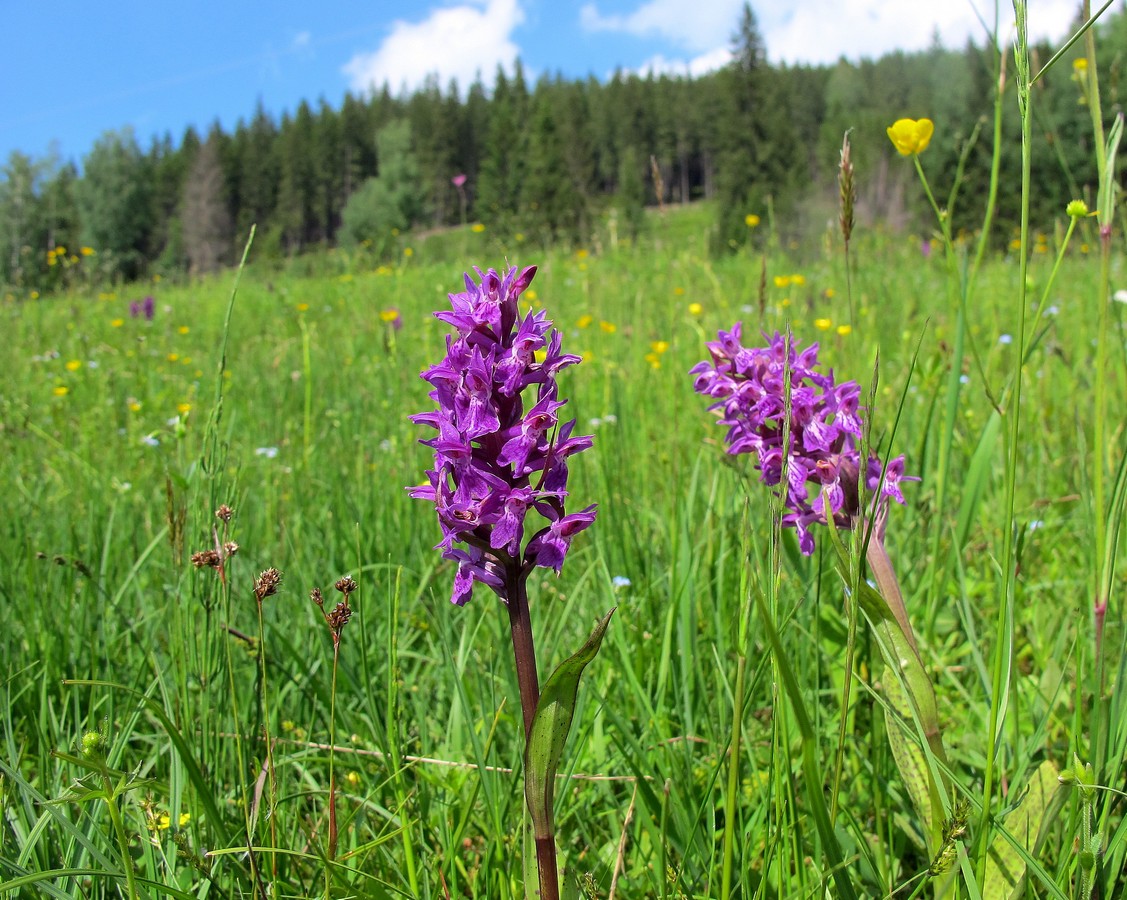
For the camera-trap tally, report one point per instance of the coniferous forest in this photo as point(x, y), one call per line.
point(549, 160)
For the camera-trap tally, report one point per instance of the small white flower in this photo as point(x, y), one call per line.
point(1006, 339)
point(268, 452)
point(610, 418)
point(964, 379)
point(173, 422)
point(620, 581)
point(594, 423)
point(150, 440)
point(93, 364)
point(386, 445)
point(1052, 310)
point(1035, 524)
point(1120, 296)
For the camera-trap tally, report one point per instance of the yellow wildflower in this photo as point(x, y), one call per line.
point(134, 406)
point(585, 320)
point(844, 330)
point(1080, 64)
point(302, 307)
point(695, 309)
point(823, 324)
point(1077, 209)
point(581, 253)
point(73, 365)
point(678, 292)
point(117, 323)
point(408, 252)
point(87, 251)
point(910, 136)
point(782, 281)
point(61, 390)
point(183, 329)
point(389, 315)
point(608, 327)
point(659, 346)
point(172, 357)
point(751, 220)
point(476, 228)
point(531, 296)
point(184, 408)
point(798, 280)
point(654, 360)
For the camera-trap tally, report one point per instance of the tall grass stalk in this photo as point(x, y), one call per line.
point(1002, 659)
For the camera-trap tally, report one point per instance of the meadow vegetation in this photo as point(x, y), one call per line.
point(181, 719)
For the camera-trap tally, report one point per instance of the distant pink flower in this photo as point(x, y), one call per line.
point(458, 180)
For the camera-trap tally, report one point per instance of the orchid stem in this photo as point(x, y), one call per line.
point(524, 653)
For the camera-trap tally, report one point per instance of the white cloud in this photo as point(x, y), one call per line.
point(699, 25)
point(821, 31)
point(697, 66)
point(452, 42)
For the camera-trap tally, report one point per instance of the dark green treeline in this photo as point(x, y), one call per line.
point(554, 160)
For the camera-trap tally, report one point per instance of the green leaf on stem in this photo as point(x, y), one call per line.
point(1025, 828)
point(550, 727)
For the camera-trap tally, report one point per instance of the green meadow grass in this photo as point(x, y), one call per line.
point(112, 485)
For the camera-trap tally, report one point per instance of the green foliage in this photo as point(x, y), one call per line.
point(113, 200)
point(392, 201)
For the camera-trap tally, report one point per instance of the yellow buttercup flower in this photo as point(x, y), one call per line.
point(751, 220)
point(695, 309)
point(477, 228)
point(1080, 64)
point(843, 330)
point(73, 365)
point(910, 136)
point(782, 281)
point(608, 327)
point(823, 324)
point(61, 391)
point(184, 408)
point(585, 320)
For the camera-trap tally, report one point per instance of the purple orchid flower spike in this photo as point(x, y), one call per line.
point(822, 459)
point(498, 453)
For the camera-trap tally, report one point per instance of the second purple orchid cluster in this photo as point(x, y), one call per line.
point(495, 459)
point(822, 459)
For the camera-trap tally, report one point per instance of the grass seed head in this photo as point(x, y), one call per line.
point(267, 584)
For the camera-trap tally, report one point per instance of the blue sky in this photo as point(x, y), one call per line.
point(71, 70)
